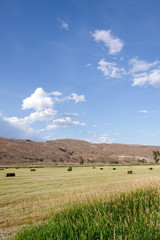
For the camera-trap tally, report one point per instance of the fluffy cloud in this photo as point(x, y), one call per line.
point(141, 72)
point(64, 122)
point(114, 44)
point(45, 115)
point(154, 78)
point(104, 138)
point(141, 65)
point(144, 73)
point(110, 69)
point(38, 100)
point(147, 78)
point(56, 93)
point(72, 115)
point(9, 130)
point(43, 103)
point(77, 98)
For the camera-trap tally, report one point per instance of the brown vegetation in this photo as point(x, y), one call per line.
point(71, 152)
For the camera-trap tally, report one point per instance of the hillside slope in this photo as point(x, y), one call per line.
point(69, 151)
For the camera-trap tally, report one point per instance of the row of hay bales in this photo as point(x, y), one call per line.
point(13, 174)
point(69, 169)
point(128, 172)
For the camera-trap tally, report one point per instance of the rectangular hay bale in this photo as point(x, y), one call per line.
point(10, 174)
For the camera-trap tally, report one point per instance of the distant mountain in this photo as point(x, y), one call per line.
point(71, 152)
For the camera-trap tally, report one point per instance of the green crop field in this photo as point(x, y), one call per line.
point(32, 196)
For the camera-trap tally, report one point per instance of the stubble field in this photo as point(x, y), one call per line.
point(31, 196)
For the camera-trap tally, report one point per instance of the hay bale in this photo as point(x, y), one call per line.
point(150, 168)
point(33, 169)
point(69, 169)
point(101, 168)
point(10, 174)
point(129, 172)
point(114, 168)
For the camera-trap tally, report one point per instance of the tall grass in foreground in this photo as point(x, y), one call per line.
point(132, 216)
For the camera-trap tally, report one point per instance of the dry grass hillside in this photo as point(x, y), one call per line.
point(69, 151)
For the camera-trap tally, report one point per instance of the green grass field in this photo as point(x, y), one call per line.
point(31, 197)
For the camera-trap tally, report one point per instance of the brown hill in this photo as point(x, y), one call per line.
point(69, 151)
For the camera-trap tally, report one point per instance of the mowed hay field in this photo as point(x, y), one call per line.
point(31, 196)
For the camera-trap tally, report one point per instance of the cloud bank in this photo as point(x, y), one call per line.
point(43, 106)
point(140, 72)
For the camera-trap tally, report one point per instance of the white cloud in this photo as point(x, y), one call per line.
point(75, 97)
point(144, 73)
point(43, 103)
point(15, 121)
point(64, 122)
point(56, 93)
point(64, 24)
point(141, 72)
point(143, 111)
point(140, 65)
point(114, 44)
point(140, 80)
point(147, 78)
point(146, 111)
point(45, 115)
point(38, 100)
point(110, 69)
point(42, 116)
point(154, 78)
point(8, 130)
point(72, 115)
point(103, 138)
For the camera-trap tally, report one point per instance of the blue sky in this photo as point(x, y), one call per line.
point(82, 69)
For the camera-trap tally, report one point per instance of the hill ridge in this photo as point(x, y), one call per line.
point(71, 152)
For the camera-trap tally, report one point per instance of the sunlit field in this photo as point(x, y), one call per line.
point(32, 196)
